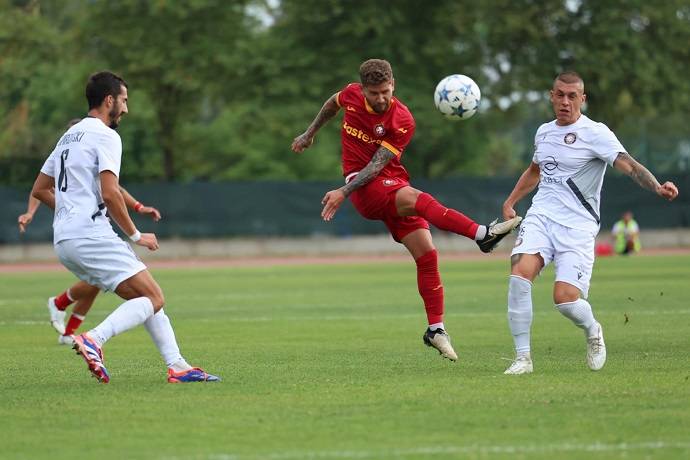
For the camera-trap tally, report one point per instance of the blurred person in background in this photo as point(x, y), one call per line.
point(626, 235)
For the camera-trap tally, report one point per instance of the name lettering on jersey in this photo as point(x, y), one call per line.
point(551, 180)
point(359, 134)
point(70, 138)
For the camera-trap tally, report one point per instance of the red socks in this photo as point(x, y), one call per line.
point(430, 287)
point(73, 324)
point(63, 301)
point(445, 218)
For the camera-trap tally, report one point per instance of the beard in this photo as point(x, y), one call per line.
point(114, 116)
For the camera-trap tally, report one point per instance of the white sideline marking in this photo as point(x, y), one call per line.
point(23, 323)
point(466, 450)
point(349, 317)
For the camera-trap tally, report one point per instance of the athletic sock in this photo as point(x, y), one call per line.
point(63, 300)
point(430, 287)
point(180, 366)
point(127, 316)
point(445, 218)
point(580, 313)
point(520, 312)
point(73, 323)
point(482, 231)
point(162, 334)
point(436, 326)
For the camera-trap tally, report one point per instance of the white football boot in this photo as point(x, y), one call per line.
point(596, 350)
point(57, 317)
point(65, 340)
point(496, 231)
point(440, 340)
point(522, 364)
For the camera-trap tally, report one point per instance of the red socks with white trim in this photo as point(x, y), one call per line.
point(445, 218)
point(63, 301)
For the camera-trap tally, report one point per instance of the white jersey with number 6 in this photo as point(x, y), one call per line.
point(572, 161)
point(82, 153)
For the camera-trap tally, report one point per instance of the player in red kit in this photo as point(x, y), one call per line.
point(376, 129)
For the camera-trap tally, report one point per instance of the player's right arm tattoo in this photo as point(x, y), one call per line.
point(329, 110)
point(380, 159)
point(637, 172)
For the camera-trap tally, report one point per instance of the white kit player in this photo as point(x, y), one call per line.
point(84, 170)
point(570, 158)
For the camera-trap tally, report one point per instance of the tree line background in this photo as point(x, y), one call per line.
point(219, 88)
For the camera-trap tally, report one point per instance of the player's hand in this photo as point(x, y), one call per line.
point(331, 202)
point(302, 142)
point(24, 220)
point(155, 214)
point(508, 211)
point(668, 190)
point(149, 241)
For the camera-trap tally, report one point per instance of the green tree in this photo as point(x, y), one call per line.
point(179, 55)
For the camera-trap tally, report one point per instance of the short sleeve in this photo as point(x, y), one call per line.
point(48, 167)
point(344, 93)
point(400, 137)
point(109, 148)
point(537, 136)
point(607, 145)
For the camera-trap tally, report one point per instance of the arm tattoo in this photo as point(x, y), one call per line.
point(639, 173)
point(380, 159)
point(329, 110)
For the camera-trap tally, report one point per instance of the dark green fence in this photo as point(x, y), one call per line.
point(218, 210)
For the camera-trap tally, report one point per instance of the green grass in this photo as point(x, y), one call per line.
point(327, 362)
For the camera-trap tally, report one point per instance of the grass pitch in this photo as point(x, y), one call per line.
point(327, 362)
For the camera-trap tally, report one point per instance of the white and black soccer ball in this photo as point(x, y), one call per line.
point(457, 97)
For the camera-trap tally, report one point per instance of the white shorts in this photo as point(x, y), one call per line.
point(101, 262)
point(571, 249)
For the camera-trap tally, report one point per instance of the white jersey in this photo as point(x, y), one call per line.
point(81, 154)
point(572, 161)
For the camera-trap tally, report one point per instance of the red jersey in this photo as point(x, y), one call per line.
point(365, 130)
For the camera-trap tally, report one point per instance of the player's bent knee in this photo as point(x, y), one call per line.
point(158, 302)
point(564, 293)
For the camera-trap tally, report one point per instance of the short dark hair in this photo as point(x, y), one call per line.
point(375, 72)
point(570, 76)
point(101, 85)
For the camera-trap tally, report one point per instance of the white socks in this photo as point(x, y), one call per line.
point(127, 316)
point(580, 313)
point(520, 312)
point(436, 326)
point(135, 312)
point(482, 230)
point(162, 334)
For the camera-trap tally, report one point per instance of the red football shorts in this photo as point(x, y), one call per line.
point(376, 201)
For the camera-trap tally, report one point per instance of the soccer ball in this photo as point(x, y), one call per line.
point(457, 97)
